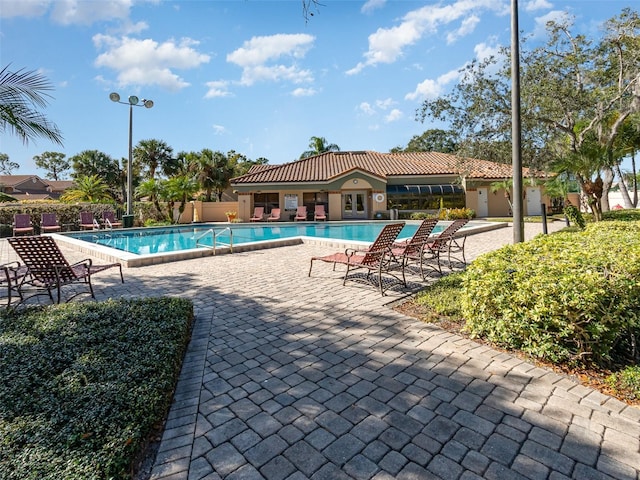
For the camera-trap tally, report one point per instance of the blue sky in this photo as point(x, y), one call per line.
point(253, 76)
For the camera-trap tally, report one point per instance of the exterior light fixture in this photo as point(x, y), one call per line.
point(132, 101)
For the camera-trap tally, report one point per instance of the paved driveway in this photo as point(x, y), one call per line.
point(291, 377)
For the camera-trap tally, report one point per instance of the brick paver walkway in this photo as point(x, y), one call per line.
point(291, 377)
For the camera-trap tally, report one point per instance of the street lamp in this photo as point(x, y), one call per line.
point(133, 102)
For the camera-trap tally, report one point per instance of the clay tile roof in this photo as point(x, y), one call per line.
point(330, 165)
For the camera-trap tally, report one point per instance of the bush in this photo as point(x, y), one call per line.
point(456, 213)
point(626, 215)
point(627, 381)
point(574, 215)
point(442, 296)
point(85, 384)
point(569, 297)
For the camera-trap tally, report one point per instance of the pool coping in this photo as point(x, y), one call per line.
point(132, 260)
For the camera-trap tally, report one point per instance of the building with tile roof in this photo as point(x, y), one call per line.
point(356, 185)
point(32, 187)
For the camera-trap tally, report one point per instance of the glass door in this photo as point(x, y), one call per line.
point(354, 206)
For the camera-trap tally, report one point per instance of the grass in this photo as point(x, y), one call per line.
point(85, 385)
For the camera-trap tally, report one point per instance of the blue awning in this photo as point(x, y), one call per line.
point(425, 189)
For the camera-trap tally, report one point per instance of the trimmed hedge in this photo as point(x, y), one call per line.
point(567, 297)
point(85, 384)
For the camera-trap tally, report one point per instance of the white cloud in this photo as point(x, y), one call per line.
point(430, 89)
point(22, 8)
point(256, 57)
point(147, 62)
point(371, 5)
point(217, 89)
point(533, 5)
point(366, 108)
point(393, 116)
point(485, 50)
point(386, 45)
point(218, 129)
point(304, 92)
point(385, 104)
point(71, 12)
point(540, 30)
point(467, 26)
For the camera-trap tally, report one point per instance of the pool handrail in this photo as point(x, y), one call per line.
point(214, 234)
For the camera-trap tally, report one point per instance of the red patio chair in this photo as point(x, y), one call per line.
point(22, 224)
point(87, 222)
point(319, 213)
point(49, 270)
point(49, 223)
point(378, 258)
point(274, 216)
point(258, 214)
point(109, 220)
point(301, 213)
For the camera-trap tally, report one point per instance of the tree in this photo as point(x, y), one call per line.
point(155, 157)
point(54, 163)
point(433, 140)
point(318, 145)
point(89, 163)
point(179, 188)
point(88, 189)
point(152, 189)
point(21, 93)
point(588, 92)
point(7, 166)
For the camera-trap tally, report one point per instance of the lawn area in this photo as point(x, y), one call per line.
point(567, 301)
point(86, 384)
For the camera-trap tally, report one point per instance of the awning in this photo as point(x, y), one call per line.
point(425, 189)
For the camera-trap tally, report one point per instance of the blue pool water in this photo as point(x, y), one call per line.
point(184, 237)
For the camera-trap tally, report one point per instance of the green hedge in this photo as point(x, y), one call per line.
point(568, 297)
point(84, 385)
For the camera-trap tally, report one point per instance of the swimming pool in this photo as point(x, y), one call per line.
point(143, 246)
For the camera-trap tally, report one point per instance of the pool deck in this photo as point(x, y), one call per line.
point(296, 377)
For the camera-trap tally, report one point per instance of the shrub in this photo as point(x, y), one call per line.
point(421, 215)
point(574, 215)
point(456, 213)
point(442, 297)
point(628, 381)
point(564, 297)
point(84, 385)
point(627, 215)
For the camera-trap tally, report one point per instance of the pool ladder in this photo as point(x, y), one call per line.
point(214, 235)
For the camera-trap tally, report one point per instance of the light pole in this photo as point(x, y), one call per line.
point(133, 102)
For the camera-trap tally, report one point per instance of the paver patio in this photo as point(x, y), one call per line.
point(291, 377)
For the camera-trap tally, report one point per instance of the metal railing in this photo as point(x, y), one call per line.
point(214, 242)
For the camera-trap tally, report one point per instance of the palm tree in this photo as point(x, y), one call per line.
point(21, 93)
point(318, 145)
point(180, 188)
point(88, 189)
point(152, 189)
point(155, 156)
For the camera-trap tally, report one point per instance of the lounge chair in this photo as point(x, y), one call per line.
point(22, 224)
point(87, 222)
point(319, 213)
point(49, 270)
point(258, 214)
point(109, 220)
point(11, 275)
point(49, 223)
point(301, 213)
point(412, 249)
point(446, 243)
point(274, 216)
point(377, 258)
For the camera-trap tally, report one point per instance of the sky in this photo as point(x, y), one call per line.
point(256, 76)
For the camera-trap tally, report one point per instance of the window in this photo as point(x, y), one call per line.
point(425, 197)
point(266, 200)
point(311, 199)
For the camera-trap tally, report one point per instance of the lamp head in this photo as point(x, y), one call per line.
point(114, 97)
point(133, 100)
point(147, 103)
